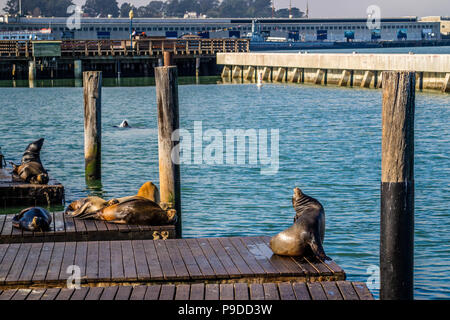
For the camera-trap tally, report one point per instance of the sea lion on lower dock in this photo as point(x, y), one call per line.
point(31, 170)
point(33, 219)
point(87, 206)
point(307, 232)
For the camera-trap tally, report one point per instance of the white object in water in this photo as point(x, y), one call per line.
point(259, 79)
point(124, 124)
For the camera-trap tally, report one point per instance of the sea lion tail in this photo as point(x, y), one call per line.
point(317, 248)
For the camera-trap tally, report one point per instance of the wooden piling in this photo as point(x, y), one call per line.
point(166, 79)
point(168, 59)
point(397, 186)
point(92, 83)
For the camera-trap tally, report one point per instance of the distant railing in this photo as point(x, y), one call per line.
point(141, 47)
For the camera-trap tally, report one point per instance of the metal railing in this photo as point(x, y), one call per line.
point(141, 47)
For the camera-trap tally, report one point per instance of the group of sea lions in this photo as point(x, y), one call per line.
point(304, 237)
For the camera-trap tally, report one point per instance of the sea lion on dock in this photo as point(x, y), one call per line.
point(31, 169)
point(33, 219)
point(87, 205)
point(307, 232)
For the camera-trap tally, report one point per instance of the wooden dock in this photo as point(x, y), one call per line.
point(339, 290)
point(65, 228)
point(16, 193)
point(173, 261)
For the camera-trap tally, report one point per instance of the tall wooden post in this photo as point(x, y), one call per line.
point(168, 59)
point(397, 186)
point(166, 79)
point(92, 83)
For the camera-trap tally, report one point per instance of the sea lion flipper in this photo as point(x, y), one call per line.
point(317, 248)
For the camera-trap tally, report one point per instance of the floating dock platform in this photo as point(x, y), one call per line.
point(15, 193)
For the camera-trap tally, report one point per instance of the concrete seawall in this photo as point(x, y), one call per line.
point(363, 70)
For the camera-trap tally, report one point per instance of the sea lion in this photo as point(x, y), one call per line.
point(86, 206)
point(123, 124)
point(33, 219)
point(135, 210)
point(31, 169)
point(307, 232)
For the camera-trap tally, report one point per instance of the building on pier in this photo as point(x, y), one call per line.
point(302, 29)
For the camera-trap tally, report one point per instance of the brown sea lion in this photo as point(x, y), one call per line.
point(307, 232)
point(31, 169)
point(87, 206)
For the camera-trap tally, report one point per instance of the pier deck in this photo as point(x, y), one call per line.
point(340, 290)
point(173, 261)
point(16, 193)
point(65, 228)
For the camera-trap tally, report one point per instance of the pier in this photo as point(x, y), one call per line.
point(34, 60)
point(346, 70)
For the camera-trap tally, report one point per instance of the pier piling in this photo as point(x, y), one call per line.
point(77, 69)
point(397, 186)
point(92, 83)
point(166, 79)
point(168, 59)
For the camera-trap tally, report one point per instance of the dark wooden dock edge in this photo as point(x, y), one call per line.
point(14, 193)
point(339, 290)
point(66, 229)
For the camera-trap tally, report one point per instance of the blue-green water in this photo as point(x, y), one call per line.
point(330, 145)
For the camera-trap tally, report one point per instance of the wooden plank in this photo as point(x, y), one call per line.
point(271, 291)
point(225, 260)
point(152, 292)
point(177, 260)
point(190, 262)
point(104, 261)
point(69, 224)
point(331, 290)
point(362, 291)
point(142, 270)
point(79, 226)
point(301, 291)
point(8, 260)
point(35, 294)
point(44, 260)
point(256, 291)
point(197, 291)
point(7, 227)
point(286, 291)
point(164, 259)
point(60, 227)
point(80, 294)
point(81, 258)
point(7, 295)
point(31, 263)
point(182, 292)
point(212, 291)
point(19, 262)
point(92, 260)
point(65, 294)
point(241, 291)
point(316, 291)
point(239, 262)
point(260, 258)
point(319, 266)
point(50, 294)
point(207, 260)
point(335, 268)
point(55, 262)
point(226, 291)
point(94, 294)
point(109, 293)
point(3, 249)
point(129, 265)
point(2, 222)
point(123, 293)
point(167, 292)
point(249, 258)
point(308, 269)
point(68, 259)
point(21, 294)
point(152, 260)
point(117, 271)
point(347, 290)
point(138, 293)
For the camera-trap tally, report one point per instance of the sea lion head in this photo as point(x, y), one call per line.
point(85, 206)
point(298, 193)
point(149, 191)
point(35, 146)
point(124, 124)
point(38, 224)
point(172, 216)
point(41, 178)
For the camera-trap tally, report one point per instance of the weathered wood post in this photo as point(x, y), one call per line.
point(167, 59)
point(92, 83)
point(397, 186)
point(166, 79)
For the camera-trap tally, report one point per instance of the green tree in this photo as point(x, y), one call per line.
point(125, 9)
point(101, 8)
point(48, 8)
point(233, 9)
